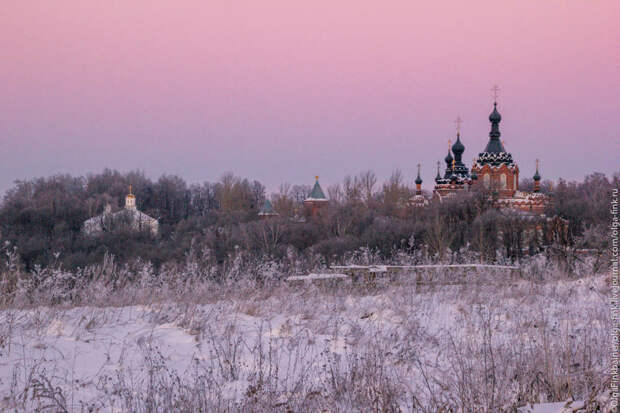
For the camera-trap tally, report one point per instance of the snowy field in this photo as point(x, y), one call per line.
point(394, 347)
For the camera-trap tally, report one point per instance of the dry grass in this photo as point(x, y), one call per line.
point(354, 348)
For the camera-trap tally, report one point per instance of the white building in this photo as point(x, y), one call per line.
point(127, 217)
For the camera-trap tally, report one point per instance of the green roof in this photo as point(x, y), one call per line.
point(317, 192)
point(267, 209)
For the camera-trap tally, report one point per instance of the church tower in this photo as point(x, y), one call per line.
point(495, 168)
point(419, 200)
point(316, 203)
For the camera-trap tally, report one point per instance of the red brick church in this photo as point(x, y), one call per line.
point(493, 171)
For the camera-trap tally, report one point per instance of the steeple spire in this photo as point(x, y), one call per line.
point(458, 148)
point(438, 177)
point(537, 178)
point(418, 183)
point(495, 145)
point(537, 174)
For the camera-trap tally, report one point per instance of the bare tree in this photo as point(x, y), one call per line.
point(283, 202)
point(439, 236)
point(352, 190)
point(368, 180)
point(335, 193)
point(299, 193)
point(395, 193)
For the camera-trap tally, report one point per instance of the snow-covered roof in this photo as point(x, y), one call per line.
point(97, 223)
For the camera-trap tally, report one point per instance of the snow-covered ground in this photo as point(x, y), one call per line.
point(347, 348)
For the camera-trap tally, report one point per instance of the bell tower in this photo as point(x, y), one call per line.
point(495, 168)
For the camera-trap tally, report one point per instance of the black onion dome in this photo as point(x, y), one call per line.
point(418, 180)
point(495, 145)
point(458, 148)
point(537, 175)
point(495, 117)
point(448, 159)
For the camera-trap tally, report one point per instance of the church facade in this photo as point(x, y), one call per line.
point(128, 217)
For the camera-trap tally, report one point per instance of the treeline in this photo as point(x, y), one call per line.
point(42, 219)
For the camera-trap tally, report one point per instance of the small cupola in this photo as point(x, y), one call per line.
point(418, 180)
point(130, 200)
point(418, 183)
point(537, 178)
point(438, 177)
point(448, 159)
point(495, 116)
point(458, 148)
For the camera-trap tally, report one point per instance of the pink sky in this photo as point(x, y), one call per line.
point(285, 90)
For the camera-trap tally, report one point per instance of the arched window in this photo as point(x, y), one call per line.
point(502, 181)
point(515, 182)
point(486, 180)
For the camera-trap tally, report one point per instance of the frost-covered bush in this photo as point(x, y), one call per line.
point(199, 275)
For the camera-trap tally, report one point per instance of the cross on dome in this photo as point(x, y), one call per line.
point(495, 90)
point(458, 122)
